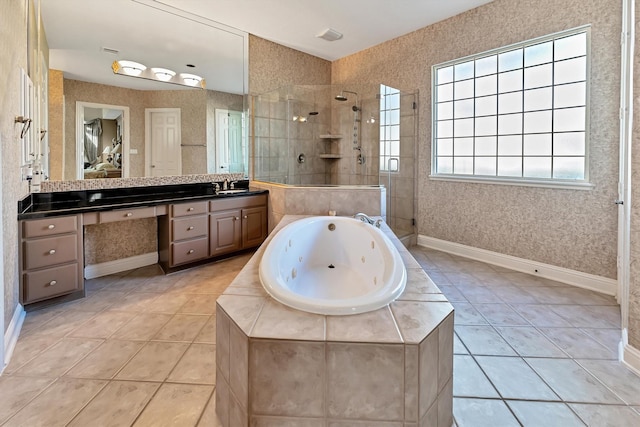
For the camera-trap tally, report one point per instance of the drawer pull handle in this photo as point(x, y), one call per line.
point(236, 218)
point(52, 251)
point(129, 214)
point(189, 210)
point(245, 217)
point(190, 251)
point(53, 283)
point(51, 227)
point(190, 228)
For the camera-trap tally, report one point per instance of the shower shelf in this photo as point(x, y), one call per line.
point(330, 136)
point(330, 156)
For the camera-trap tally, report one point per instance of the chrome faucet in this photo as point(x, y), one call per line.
point(225, 184)
point(216, 187)
point(233, 185)
point(365, 218)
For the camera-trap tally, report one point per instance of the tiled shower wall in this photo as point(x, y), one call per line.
point(280, 140)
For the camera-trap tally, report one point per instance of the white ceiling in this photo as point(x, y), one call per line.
point(173, 33)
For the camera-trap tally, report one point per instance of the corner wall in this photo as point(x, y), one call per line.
point(13, 56)
point(634, 276)
point(567, 228)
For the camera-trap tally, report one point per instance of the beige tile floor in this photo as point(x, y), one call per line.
point(140, 350)
point(530, 351)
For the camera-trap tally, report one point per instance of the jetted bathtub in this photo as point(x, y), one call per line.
point(332, 265)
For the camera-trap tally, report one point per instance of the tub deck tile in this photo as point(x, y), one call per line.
point(278, 321)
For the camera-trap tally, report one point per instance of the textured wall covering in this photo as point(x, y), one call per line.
point(567, 228)
point(193, 119)
point(118, 240)
point(13, 56)
point(634, 277)
point(56, 119)
point(75, 91)
point(272, 66)
point(197, 124)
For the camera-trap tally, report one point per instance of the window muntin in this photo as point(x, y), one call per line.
point(516, 113)
point(390, 127)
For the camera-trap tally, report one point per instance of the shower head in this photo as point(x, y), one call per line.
point(340, 97)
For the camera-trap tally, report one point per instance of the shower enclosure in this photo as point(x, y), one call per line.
point(319, 135)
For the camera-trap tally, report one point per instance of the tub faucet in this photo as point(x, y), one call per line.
point(365, 218)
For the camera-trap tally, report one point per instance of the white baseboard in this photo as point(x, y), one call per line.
point(572, 277)
point(12, 333)
point(119, 265)
point(631, 358)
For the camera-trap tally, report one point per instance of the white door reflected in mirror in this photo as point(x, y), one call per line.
point(163, 142)
point(228, 144)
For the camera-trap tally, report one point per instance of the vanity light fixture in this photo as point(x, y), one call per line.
point(192, 80)
point(129, 68)
point(135, 69)
point(163, 74)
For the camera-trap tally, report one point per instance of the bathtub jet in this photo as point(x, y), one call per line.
point(351, 269)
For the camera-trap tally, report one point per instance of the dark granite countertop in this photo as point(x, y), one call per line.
point(42, 205)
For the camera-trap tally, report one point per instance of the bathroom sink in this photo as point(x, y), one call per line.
point(243, 190)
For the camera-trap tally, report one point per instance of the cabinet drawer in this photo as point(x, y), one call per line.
point(50, 251)
point(237, 202)
point(193, 208)
point(189, 227)
point(126, 214)
point(189, 251)
point(48, 226)
point(50, 282)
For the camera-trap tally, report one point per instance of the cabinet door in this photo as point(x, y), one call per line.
point(254, 226)
point(224, 229)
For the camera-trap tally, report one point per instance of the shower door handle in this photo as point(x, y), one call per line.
point(394, 161)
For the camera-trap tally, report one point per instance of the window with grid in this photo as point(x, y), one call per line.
point(389, 129)
point(517, 113)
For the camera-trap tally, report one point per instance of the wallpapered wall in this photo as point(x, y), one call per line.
point(634, 278)
point(272, 66)
point(13, 56)
point(568, 228)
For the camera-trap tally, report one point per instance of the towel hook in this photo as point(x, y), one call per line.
point(26, 124)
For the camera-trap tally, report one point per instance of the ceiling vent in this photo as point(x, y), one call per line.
point(330, 35)
point(110, 50)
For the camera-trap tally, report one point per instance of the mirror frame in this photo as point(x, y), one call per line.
point(80, 106)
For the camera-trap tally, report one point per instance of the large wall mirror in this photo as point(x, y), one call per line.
point(117, 126)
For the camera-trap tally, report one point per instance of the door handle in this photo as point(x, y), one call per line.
point(618, 202)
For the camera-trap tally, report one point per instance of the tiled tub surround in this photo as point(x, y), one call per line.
point(346, 200)
point(280, 366)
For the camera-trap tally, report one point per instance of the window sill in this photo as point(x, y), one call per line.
point(564, 185)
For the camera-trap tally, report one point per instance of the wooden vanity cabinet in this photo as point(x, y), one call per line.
point(237, 223)
point(183, 234)
point(51, 258)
